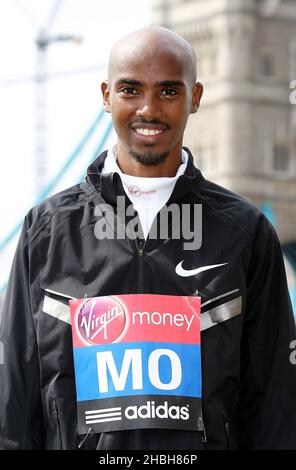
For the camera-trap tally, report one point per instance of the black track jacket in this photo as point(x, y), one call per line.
point(249, 383)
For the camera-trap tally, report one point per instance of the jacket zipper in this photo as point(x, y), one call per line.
point(226, 428)
point(202, 430)
point(55, 412)
point(141, 244)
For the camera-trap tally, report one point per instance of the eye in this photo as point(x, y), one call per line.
point(129, 91)
point(168, 92)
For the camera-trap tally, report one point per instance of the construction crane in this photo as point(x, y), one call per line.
point(44, 39)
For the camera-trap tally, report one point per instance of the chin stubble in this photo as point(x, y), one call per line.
point(149, 158)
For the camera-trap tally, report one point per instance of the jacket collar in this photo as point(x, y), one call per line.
point(109, 185)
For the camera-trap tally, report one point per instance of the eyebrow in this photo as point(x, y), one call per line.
point(165, 83)
point(171, 83)
point(127, 81)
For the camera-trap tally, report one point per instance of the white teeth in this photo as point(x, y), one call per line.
point(148, 131)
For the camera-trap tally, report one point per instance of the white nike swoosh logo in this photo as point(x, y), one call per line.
point(192, 272)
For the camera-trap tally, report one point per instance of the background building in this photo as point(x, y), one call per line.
point(244, 135)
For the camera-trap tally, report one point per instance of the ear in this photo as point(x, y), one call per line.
point(196, 97)
point(106, 96)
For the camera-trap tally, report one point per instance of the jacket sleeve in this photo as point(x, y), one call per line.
point(20, 399)
point(267, 418)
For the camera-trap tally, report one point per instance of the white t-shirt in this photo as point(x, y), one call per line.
point(148, 195)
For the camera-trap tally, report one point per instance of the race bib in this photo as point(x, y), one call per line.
point(137, 362)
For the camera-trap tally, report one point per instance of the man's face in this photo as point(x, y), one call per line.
point(150, 95)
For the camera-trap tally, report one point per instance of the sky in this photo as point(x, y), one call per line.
point(70, 97)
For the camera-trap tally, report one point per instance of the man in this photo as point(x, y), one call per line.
point(235, 268)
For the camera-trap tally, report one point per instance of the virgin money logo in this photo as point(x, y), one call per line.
point(136, 191)
point(101, 321)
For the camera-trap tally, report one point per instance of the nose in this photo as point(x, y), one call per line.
point(149, 108)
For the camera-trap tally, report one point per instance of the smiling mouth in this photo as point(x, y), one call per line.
point(147, 132)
